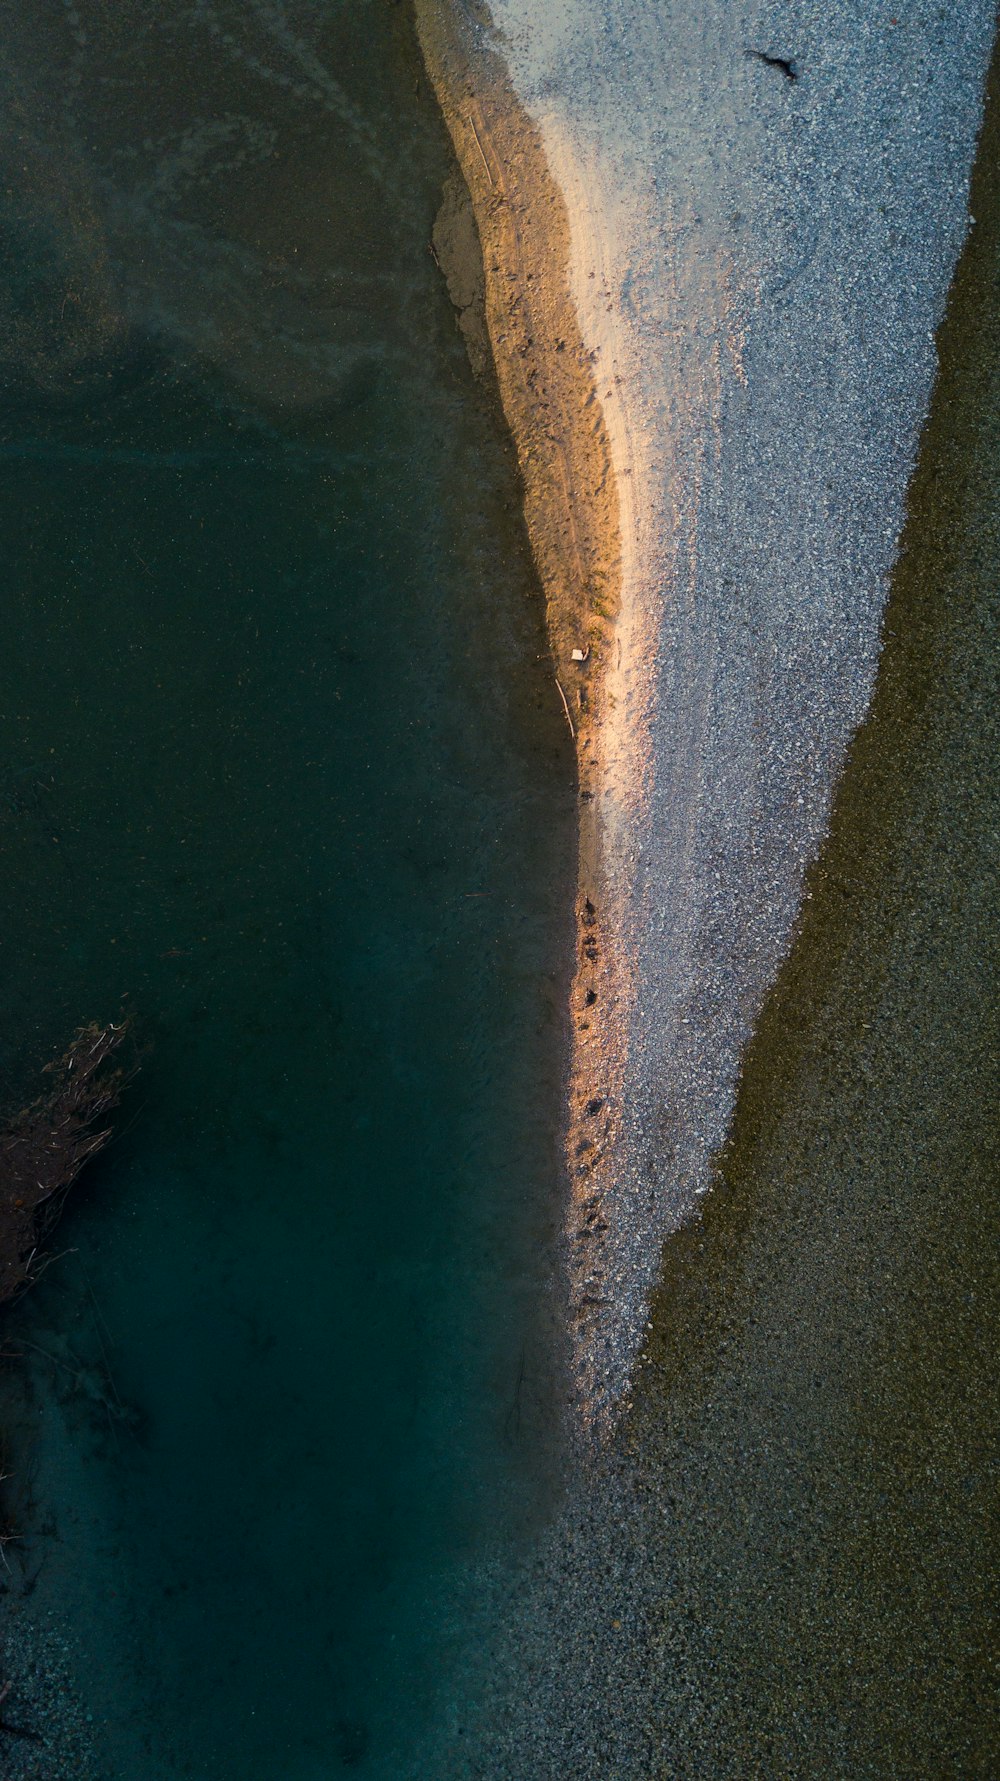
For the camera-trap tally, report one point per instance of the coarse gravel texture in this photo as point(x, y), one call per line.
point(759, 263)
point(53, 1735)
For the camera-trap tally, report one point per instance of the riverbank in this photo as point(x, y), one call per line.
point(784, 1561)
point(733, 228)
point(512, 286)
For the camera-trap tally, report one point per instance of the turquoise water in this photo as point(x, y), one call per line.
point(280, 769)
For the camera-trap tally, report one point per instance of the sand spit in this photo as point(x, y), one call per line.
point(520, 287)
point(758, 259)
point(784, 1561)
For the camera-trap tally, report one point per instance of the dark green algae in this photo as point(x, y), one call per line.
point(814, 1430)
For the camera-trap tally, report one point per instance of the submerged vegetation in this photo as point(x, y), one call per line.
point(44, 1146)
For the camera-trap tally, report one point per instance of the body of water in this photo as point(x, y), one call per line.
point(281, 770)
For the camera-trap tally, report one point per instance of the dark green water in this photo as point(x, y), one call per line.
point(279, 764)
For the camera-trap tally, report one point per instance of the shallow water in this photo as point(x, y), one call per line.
point(281, 770)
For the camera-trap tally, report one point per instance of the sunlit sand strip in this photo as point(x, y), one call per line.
point(583, 529)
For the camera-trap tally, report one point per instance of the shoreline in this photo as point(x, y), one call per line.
point(782, 1562)
point(761, 436)
point(580, 516)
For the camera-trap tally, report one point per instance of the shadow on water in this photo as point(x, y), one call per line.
point(279, 763)
point(818, 1411)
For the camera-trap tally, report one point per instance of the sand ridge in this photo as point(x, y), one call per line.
point(602, 515)
point(578, 519)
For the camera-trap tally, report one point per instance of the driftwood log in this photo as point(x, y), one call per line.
point(45, 1145)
